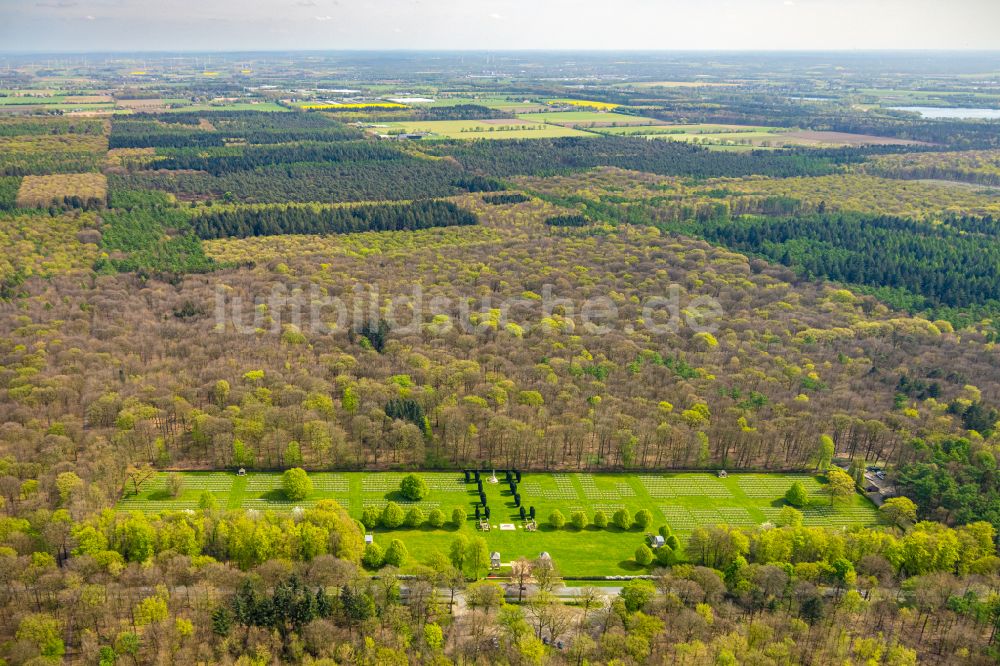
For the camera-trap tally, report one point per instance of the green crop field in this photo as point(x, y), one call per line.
point(683, 501)
point(587, 118)
point(482, 129)
point(702, 129)
point(732, 137)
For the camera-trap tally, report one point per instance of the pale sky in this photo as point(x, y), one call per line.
point(223, 25)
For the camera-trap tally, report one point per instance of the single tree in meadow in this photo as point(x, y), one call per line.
point(458, 552)
point(840, 484)
point(435, 518)
point(373, 557)
point(413, 488)
point(392, 516)
point(478, 555)
point(296, 484)
point(395, 554)
point(622, 519)
point(175, 484)
point(796, 495)
point(643, 518)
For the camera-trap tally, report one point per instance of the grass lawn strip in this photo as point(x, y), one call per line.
point(682, 500)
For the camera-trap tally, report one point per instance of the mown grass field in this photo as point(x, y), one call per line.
point(683, 501)
point(482, 129)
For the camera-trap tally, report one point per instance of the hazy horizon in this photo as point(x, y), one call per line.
point(129, 26)
point(485, 51)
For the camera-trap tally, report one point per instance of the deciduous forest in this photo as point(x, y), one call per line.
point(295, 369)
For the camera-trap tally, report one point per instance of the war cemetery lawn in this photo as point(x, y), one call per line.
point(681, 500)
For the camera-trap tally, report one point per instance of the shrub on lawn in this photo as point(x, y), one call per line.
point(622, 519)
point(556, 519)
point(435, 518)
point(395, 554)
point(665, 555)
point(373, 556)
point(579, 520)
point(206, 501)
point(370, 517)
point(643, 555)
point(413, 488)
point(414, 517)
point(643, 518)
point(458, 517)
point(796, 495)
point(392, 516)
point(175, 484)
point(789, 516)
point(296, 484)
point(600, 520)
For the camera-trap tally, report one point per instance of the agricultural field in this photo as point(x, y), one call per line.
point(501, 103)
point(751, 136)
point(481, 129)
point(683, 501)
point(514, 106)
point(31, 100)
point(151, 104)
point(935, 98)
point(231, 106)
point(582, 119)
point(337, 106)
point(583, 103)
point(678, 84)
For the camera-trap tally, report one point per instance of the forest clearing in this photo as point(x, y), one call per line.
point(682, 501)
